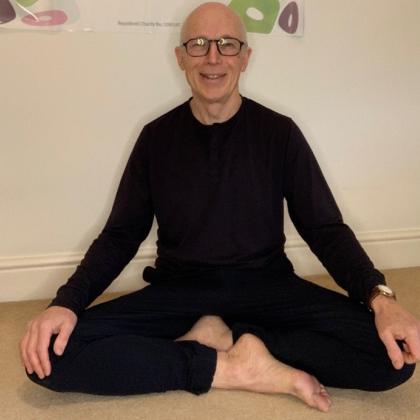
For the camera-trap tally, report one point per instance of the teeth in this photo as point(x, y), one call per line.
point(212, 76)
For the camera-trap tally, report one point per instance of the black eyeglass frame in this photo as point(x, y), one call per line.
point(209, 41)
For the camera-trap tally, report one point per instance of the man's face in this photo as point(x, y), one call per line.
point(213, 78)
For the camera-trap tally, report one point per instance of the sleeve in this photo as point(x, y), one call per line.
point(318, 220)
point(128, 225)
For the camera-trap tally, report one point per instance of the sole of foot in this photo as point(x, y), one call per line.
point(248, 365)
point(211, 331)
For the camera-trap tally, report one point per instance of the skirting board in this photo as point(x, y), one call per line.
point(38, 277)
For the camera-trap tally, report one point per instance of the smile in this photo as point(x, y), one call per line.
point(212, 76)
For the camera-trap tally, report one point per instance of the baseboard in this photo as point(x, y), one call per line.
point(39, 276)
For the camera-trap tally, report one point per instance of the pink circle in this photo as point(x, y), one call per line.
point(54, 17)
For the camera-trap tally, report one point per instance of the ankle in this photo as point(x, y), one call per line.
point(227, 371)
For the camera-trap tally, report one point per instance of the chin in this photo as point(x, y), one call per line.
point(215, 97)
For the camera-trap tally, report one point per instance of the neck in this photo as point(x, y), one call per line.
point(216, 112)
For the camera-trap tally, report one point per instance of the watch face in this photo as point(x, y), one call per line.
point(385, 289)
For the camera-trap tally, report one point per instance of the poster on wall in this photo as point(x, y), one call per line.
point(260, 16)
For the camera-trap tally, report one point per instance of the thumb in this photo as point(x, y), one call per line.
point(394, 352)
point(62, 339)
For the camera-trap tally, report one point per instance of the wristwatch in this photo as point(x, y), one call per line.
point(380, 289)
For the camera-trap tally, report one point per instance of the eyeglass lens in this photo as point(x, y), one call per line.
point(200, 46)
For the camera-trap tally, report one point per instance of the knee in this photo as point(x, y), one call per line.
point(390, 378)
point(60, 378)
point(51, 382)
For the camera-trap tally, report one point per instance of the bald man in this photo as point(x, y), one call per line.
point(223, 307)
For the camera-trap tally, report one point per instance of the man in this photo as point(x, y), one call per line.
point(224, 308)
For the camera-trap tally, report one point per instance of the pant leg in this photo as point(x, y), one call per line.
point(126, 346)
point(317, 330)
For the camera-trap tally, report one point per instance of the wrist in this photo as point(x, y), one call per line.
point(382, 291)
point(381, 302)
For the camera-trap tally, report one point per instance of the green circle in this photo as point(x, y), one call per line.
point(26, 3)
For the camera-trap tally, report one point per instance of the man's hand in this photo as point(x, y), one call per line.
point(393, 323)
point(34, 344)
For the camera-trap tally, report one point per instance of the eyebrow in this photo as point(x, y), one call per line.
point(221, 36)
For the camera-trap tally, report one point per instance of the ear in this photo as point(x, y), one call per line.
point(180, 57)
point(245, 59)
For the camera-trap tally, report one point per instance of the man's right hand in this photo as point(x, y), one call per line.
point(34, 344)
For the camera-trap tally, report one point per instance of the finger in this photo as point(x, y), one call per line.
point(42, 349)
point(409, 358)
point(412, 345)
point(394, 352)
point(62, 339)
point(33, 354)
point(23, 353)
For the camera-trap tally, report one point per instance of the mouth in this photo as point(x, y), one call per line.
point(213, 76)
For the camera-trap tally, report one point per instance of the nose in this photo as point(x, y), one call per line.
point(213, 56)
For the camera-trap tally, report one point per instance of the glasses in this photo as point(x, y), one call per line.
point(199, 47)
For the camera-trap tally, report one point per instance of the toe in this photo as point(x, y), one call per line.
point(321, 402)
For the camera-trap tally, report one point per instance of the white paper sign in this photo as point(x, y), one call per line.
point(260, 16)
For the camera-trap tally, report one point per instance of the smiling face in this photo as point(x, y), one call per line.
point(213, 78)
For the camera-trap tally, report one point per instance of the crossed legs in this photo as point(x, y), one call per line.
point(290, 336)
point(277, 336)
point(248, 365)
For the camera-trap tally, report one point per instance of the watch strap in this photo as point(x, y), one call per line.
point(376, 291)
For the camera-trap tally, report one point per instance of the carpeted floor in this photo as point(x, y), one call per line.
point(21, 399)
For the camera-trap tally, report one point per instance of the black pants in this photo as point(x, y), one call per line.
point(126, 346)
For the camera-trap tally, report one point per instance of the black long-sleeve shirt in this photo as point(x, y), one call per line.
point(218, 195)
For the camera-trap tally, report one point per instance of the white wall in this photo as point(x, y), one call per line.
point(72, 104)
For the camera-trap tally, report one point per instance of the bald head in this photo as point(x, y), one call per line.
point(214, 75)
point(202, 17)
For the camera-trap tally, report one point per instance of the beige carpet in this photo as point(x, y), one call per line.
point(21, 399)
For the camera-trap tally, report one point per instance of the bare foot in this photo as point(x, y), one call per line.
point(248, 365)
point(211, 331)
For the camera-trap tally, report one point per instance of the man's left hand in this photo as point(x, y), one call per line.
point(393, 323)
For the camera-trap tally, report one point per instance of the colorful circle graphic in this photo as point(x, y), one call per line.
point(47, 18)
